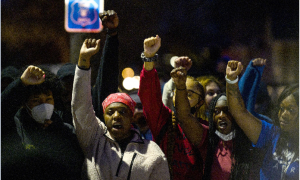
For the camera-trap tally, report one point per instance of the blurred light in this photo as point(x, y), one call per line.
point(136, 82)
point(130, 83)
point(127, 72)
point(172, 61)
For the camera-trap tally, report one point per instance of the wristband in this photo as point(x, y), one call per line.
point(231, 82)
point(111, 31)
point(151, 59)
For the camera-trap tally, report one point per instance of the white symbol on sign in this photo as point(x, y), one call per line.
point(84, 12)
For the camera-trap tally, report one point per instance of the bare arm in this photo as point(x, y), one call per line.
point(190, 124)
point(247, 122)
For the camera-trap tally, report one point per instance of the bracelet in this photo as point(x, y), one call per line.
point(231, 82)
point(181, 89)
point(150, 59)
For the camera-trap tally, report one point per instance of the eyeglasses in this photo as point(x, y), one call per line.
point(189, 95)
point(191, 91)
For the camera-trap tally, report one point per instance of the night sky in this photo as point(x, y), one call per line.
point(32, 31)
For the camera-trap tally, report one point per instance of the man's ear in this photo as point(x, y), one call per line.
point(132, 117)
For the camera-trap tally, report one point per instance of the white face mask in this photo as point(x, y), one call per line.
point(226, 137)
point(42, 112)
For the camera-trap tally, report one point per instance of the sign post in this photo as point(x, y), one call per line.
point(82, 16)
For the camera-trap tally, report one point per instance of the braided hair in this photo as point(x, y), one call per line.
point(292, 89)
point(241, 149)
point(283, 139)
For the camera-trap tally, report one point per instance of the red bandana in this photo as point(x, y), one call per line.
point(119, 97)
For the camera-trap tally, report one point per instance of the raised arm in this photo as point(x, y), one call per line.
point(108, 72)
point(247, 122)
point(151, 46)
point(16, 93)
point(189, 124)
point(84, 119)
point(249, 86)
point(167, 96)
point(149, 92)
point(89, 48)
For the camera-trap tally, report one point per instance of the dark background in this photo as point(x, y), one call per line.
point(32, 32)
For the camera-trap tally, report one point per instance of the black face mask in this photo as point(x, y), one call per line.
point(142, 121)
point(193, 110)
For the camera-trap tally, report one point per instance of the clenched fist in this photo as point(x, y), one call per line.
point(151, 46)
point(234, 68)
point(109, 19)
point(32, 76)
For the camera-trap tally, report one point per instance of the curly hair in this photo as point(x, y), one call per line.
point(51, 83)
point(204, 81)
point(241, 150)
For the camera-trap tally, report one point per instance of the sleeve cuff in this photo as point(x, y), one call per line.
point(81, 68)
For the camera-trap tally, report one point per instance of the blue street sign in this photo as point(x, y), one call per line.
point(83, 15)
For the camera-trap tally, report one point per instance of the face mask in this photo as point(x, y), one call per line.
point(42, 112)
point(193, 110)
point(226, 137)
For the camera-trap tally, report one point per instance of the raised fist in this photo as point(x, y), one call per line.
point(151, 46)
point(179, 77)
point(259, 62)
point(89, 48)
point(234, 68)
point(183, 61)
point(33, 76)
point(109, 19)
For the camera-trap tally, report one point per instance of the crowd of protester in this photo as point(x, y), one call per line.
point(60, 126)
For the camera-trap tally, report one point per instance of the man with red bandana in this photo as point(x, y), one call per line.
point(113, 150)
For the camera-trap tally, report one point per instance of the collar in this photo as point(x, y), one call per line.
point(137, 138)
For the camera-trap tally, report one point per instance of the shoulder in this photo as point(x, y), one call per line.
point(268, 128)
point(269, 134)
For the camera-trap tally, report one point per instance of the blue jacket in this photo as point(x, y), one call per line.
point(249, 86)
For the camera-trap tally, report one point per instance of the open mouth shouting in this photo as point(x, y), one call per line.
point(222, 124)
point(117, 126)
point(283, 122)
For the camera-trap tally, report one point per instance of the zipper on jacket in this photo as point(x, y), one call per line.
point(131, 164)
point(120, 163)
